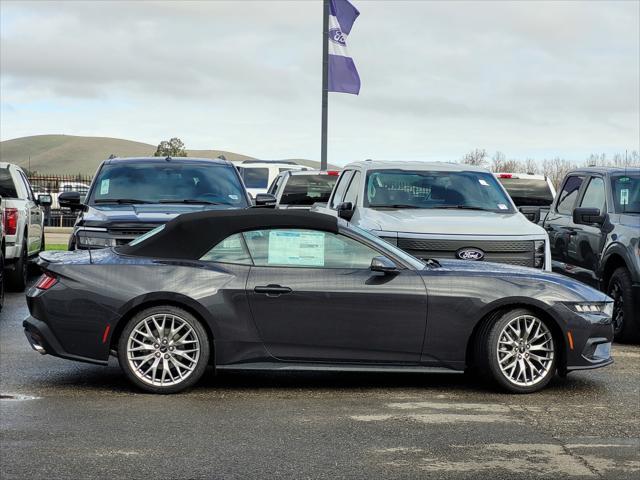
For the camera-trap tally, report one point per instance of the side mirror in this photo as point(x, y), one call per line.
point(346, 210)
point(265, 200)
point(384, 265)
point(70, 200)
point(45, 200)
point(532, 213)
point(588, 216)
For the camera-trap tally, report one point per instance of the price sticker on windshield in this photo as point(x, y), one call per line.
point(104, 187)
point(624, 196)
point(502, 206)
point(483, 182)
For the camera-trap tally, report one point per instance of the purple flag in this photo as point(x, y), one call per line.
point(343, 76)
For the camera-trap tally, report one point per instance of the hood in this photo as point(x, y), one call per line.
point(581, 291)
point(450, 222)
point(99, 215)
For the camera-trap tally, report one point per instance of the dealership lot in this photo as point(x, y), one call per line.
point(71, 420)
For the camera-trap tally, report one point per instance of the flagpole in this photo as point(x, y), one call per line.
point(325, 84)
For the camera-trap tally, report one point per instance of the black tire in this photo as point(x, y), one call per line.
point(625, 321)
point(198, 367)
point(42, 241)
point(18, 277)
point(486, 352)
point(2, 276)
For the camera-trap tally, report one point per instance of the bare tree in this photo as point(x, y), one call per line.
point(477, 157)
point(556, 169)
point(531, 166)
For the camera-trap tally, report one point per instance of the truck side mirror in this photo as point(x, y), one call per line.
point(588, 216)
point(70, 200)
point(45, 200)
point(532, 213)
point(346, 210)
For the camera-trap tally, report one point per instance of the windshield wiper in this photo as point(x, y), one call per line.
point(192, 201)
point(395, 205)
point(463, 207)
point(120, 200)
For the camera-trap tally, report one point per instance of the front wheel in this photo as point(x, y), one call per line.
point(625, 327)
point(517, 351)
point(163, 349)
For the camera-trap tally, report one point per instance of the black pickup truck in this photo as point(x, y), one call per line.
point(594, 234)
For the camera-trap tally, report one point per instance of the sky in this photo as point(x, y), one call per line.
point(531, 79)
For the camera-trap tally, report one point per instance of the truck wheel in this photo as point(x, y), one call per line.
point(625, 327)
point(17, 278)
point(2, 276)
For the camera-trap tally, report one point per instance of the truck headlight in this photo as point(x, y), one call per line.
point(92, 239)
point(539, 247)
point(605, 308)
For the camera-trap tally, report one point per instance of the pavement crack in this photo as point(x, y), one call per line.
point(579, 458)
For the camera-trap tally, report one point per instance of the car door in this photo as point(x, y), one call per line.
point(588, 241)
point(313, 297)
point(34, 213)
point(559, 224)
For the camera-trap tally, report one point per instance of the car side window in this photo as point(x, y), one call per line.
point(27, 186)
point(340, 188)
point(275, 184)
point(569, 194)
point(231, 250)
point(307, 249)
point(594, 194)
point(354, 188)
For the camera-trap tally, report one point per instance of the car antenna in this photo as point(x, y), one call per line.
point(222, 157)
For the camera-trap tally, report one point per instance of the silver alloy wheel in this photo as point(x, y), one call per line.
point(525, 350)
point(163, 350)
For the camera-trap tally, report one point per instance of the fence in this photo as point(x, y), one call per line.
point(54, 185)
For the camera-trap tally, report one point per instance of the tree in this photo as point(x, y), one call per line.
point(556, 169)
point(475, 157)
point(171, 148)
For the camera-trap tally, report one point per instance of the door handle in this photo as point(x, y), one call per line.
point(272, 290)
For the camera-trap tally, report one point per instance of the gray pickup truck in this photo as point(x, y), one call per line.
point(438, 210)
point(594, 231)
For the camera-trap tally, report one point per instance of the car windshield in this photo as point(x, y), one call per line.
point(410, 259)
point(626, 193)
point(307, 189)
point(435, 190)
point(168, 182)
point(528, 191)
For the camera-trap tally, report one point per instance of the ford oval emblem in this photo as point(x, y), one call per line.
point(470, 254)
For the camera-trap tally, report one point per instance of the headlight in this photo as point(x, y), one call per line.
point(606, 308)
point(538, 253)
point(91, 239)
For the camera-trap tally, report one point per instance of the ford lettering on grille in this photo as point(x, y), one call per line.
point(470, 254)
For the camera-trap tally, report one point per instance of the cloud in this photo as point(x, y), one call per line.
point(438, 78)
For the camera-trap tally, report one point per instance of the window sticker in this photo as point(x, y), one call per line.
point(502, 206)
point(483, 182)
point(624, 196)
point(288, 247)
point(104, 187)
point(233, 197)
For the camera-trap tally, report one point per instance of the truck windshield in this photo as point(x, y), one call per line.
point(626, 193)
point(307, 189)
point(168, 182)
point(435, 190)
point(528, 191)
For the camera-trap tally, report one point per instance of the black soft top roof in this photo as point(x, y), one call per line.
point(191, 235)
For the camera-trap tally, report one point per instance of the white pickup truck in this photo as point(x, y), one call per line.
point(438, 210)
point(23, 223)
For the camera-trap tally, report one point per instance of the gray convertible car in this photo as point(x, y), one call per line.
point(291, 290)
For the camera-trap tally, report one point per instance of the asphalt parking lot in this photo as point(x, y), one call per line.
point(60, 419)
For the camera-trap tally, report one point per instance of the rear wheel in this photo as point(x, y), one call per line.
point(18, 277)
point(517, 351)
point(625, 328)
point(163, 349)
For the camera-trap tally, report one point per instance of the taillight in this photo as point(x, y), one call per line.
point(506, 175)
point(334, 173)
point(10, 221)
point(46, 281)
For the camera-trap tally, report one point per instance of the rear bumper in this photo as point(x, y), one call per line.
point(43, 341)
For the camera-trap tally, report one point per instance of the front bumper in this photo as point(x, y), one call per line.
point(43, 341)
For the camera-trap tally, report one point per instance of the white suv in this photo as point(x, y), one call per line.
point(23, 223)
point(259, 174)
point(438, 210)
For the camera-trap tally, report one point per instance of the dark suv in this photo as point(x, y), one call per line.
point(131, 196)
point(594, 230)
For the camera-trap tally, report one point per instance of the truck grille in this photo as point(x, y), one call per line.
point(512, 252)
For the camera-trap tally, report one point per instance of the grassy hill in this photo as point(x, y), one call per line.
point(70, 154)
